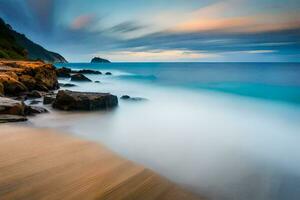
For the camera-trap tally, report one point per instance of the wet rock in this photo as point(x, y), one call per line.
point(97, 82)
point(108, 73)
point(128, 98)
point(64, 72)
point(80, 77)
point(11, 107)
point(32, 110)
point(87, 71)
point(12, 118)
point(70, 100)
point(49, 99)
point(67, 85)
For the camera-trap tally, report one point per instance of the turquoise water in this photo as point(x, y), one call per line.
point(223, 130)
point(271, 81)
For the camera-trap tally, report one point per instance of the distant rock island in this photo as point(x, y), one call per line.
point(17, 46)
point(99, 60)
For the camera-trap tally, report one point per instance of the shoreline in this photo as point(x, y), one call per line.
point(42, 163)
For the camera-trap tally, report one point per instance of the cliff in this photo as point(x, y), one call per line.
point(16, 46)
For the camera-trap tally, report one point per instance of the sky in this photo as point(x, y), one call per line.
point(161, 30)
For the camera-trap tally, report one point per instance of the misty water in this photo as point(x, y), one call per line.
point(226, 131)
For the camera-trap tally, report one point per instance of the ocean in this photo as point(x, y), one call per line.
point(223, 130)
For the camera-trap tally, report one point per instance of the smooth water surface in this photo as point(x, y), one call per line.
point(225, 130)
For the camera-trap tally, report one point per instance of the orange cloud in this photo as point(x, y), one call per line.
point(82, 21)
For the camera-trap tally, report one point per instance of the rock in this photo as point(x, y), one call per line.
point(34, 94)
point(64, 72)
point(99, 60)
point(70, 100)
point(87, 71)
point(11, 107)
point(12, 118)
point(80, 77)
point(128, 98)
point(67, 85)
point(11, 85)
point(108, 73)
point(125, 97)
point(49, 99)
point(1, 89)
point(32, 110)
point(28, 81)
point(97, 82)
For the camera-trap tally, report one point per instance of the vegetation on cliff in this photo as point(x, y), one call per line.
point(16, 46)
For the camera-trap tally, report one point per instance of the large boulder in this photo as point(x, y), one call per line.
point(80, 77)
point(11, 107)
point(32, 110)
point(70, 100)
point(49, 99)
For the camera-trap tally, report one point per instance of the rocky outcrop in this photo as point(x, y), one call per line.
point(108, 73)
point(99, 60)
point(80, 77)
point(21, 76)
point(67, 85)
point(70, 100)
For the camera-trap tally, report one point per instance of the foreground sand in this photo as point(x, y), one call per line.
point(40, 164)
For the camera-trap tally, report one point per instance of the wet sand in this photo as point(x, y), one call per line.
point(43, 164)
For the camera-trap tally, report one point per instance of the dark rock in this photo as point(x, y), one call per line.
point(128, 98)
point(67, 85)
point(69, 100)
point(32, 110)
point(34, 94)
point(87, 71)
point(11, 107)
point(12, 118)
point(28, 81)
point(125, 97)
point(64, 72)
point(108, 73)
point(49, 99)
point(99, 60)
point(97, 82)
point(80, 77)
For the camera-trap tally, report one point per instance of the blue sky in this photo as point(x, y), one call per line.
point(161, 30)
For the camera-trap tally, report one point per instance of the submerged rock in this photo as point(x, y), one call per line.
point(12, 118)
point(34, 94)
point(108, 73)
point(80, 77)
point(97, 82)
point(126, 97)
point(11, 107)
point(70, 100)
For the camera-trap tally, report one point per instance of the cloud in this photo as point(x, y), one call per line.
point(82, 21)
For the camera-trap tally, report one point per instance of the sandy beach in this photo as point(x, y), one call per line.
point(43, 164)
